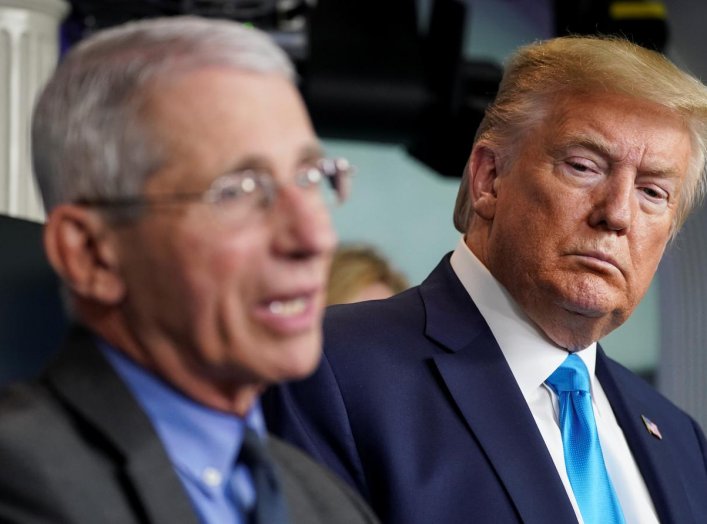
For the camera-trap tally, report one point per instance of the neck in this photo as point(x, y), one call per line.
point(227, 391)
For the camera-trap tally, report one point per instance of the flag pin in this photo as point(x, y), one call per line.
point(652, 427)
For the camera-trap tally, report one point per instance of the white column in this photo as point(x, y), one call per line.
point(29, 44)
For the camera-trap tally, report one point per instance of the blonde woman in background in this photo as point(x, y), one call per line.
point(360, 272)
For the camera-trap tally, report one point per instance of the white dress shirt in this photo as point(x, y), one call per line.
point(532, 358)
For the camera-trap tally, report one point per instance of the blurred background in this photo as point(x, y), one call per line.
point(398, 87)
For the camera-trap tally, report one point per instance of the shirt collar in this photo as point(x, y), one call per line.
point(195, 436)
point(530, 355)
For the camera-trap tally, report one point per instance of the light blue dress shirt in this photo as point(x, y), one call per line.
point(201, 442)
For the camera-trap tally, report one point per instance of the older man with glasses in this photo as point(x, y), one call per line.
point(187, 217)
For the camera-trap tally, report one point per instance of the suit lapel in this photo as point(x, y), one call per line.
point(484, 390)
point(88, 384)
point(652, 455)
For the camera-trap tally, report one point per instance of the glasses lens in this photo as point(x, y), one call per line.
point(239, 196)
point(242, 196)
point(337, 172)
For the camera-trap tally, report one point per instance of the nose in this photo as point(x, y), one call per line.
point(615, 203)
point(303, 225)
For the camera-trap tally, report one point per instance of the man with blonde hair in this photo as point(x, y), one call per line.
point(482, 395)
point(182, 180)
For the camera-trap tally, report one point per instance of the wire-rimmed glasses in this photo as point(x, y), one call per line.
point(242, 194)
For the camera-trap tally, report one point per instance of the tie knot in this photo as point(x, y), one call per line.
point(269, 506)
point(572, 375)
point(253, 451)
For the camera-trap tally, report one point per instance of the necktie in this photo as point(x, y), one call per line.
point(583, 457)
point(269, 506)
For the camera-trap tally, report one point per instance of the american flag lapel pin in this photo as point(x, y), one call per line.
point(652, 427)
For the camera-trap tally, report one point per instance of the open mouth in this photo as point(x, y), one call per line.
point(288, 308)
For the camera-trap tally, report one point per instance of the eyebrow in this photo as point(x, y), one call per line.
point(586, 142)
point(308, 153)
point(311, 151)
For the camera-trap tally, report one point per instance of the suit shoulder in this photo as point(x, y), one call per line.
point(26, 409)
point(638, 387)
point(37, 430)
point(636, 383)
point(314, 494)
point(33, 460)
point(376, 316)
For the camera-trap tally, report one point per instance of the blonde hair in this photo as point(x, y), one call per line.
point(357, 266)
point(538, 73)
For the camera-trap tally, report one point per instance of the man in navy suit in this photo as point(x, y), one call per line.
point(434, 403)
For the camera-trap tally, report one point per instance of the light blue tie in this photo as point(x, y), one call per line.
point(583, 458)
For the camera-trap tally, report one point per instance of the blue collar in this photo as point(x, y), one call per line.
point(197, 438)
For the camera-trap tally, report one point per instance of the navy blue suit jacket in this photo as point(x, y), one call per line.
point(415, 406)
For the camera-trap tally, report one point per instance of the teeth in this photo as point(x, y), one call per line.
point(288, 308)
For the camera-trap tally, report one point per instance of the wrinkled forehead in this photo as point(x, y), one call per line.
point(611, 124)
point(216, 120)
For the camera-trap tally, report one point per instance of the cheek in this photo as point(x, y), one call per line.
point(221, 272)
point(645, 260)
point(219, 253)
point(230, 280)
point(196, 270)
point(529, 230)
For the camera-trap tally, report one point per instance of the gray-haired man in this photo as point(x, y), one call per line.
point(182, 181)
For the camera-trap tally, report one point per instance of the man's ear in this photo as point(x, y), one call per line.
point(483, 176)
point(82, 251)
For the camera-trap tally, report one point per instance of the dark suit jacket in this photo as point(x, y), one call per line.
point(415, 406)
point(75, 447)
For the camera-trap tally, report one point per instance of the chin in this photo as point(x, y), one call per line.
point(586, 308)
point(300, 359)
point(590, 297)
point(583, 325)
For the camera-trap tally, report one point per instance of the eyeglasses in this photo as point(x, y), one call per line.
point(242, 194)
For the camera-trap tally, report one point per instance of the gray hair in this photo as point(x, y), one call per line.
point(88, 138)
point(538, 73)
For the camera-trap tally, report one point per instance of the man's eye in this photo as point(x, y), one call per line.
point(580, 167)
point(654, 194)
point(236, 189)
point(228, 194)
